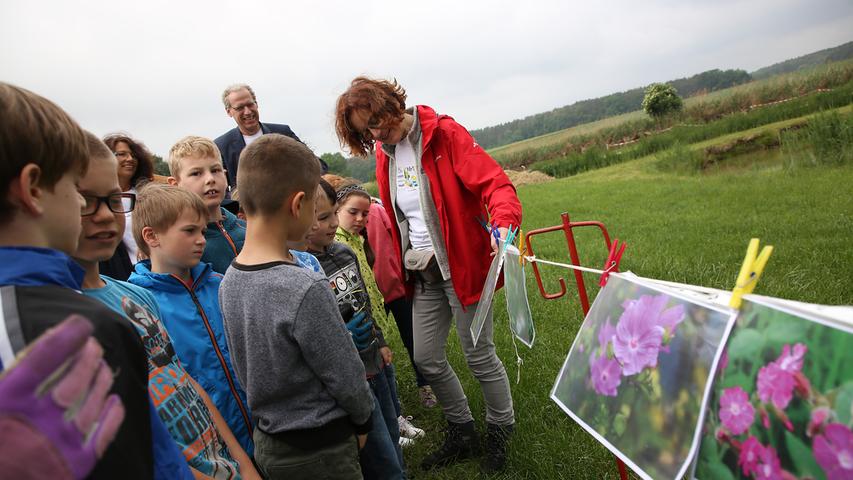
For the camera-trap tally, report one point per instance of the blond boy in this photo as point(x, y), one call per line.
point(196, 165)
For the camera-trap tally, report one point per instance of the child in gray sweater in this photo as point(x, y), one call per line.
point(290, 349)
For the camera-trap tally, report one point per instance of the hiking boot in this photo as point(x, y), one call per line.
point(428, 399)
point(408, 430)
point(497, 437)
point(461, 442)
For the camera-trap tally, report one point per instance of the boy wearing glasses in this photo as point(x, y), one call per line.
point(183, 406)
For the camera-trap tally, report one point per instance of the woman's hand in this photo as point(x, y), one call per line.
point(503, 232)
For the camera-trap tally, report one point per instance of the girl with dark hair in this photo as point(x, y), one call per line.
point(435, 182)
point(135, 162)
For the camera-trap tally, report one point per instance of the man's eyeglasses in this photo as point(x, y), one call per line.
point(240, 108)
point(117, 203)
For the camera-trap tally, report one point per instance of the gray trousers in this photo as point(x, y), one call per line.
point(434, 307)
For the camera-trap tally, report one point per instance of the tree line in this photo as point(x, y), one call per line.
point(591, 110)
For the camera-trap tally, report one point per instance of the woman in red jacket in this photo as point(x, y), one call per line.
point(435, 182)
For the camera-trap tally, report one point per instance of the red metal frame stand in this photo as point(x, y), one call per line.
point(567, 227)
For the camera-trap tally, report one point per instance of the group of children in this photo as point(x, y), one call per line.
point(264, 352)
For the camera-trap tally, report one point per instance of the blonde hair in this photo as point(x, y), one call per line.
point(273, 168)
point(191, 146)
point(158, 206)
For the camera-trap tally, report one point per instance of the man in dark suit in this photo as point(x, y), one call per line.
point(242, 105)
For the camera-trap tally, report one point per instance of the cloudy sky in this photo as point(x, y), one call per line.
point(157, 68)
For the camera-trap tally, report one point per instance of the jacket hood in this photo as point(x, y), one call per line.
point(426, 121)
point(34, 266)
point(145, 278)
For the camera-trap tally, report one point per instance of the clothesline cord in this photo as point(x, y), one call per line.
point(533, 259)
point(685, 286)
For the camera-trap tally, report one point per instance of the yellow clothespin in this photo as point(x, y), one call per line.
point(750, 272)
point(522, 247)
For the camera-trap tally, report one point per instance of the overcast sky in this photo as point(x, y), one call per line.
point(157, 68)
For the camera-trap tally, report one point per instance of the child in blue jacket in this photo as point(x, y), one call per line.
point(187, 292)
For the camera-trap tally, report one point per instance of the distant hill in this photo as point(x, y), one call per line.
point(591, 110)
point(841, 52)
point(587, 111)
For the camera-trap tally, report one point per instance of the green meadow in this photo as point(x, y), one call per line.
point(685, 219)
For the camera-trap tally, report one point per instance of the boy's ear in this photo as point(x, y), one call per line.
point(150, 237)
point(296, 204)
point(172, 181)
point(25, 192)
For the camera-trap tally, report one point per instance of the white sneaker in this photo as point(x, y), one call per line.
point(408, 430)
point(406, 442)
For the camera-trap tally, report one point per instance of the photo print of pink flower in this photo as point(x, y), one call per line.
point(781, 407)
point(638, 371)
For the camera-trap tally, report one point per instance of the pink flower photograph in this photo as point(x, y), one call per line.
point(782, 407)
point(638, 371)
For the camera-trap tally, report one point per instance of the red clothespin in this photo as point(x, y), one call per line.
point(612, 263)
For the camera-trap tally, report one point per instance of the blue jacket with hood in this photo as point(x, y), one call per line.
point(224, 241)
point(193, 318)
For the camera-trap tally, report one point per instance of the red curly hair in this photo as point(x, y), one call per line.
point(386, 102)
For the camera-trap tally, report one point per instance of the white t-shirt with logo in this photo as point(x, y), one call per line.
point(408, 195)
point(251, 138)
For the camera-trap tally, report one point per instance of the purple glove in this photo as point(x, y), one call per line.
point(56, 417)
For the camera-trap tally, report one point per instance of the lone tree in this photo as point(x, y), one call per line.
point(661, 99)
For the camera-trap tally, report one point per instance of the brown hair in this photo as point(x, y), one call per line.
point(35, 130)
point(273, 168)
point(191, 146)
point(145, 163)
point(386, 101)
point(339, 183)
point(328, 190)
point(158, 206)
point(97, 148)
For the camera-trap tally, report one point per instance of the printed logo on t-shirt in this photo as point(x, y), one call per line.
point(179, 405)
point(348, 287)
point(407, 177)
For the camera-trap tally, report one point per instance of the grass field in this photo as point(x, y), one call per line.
point(690, 228)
